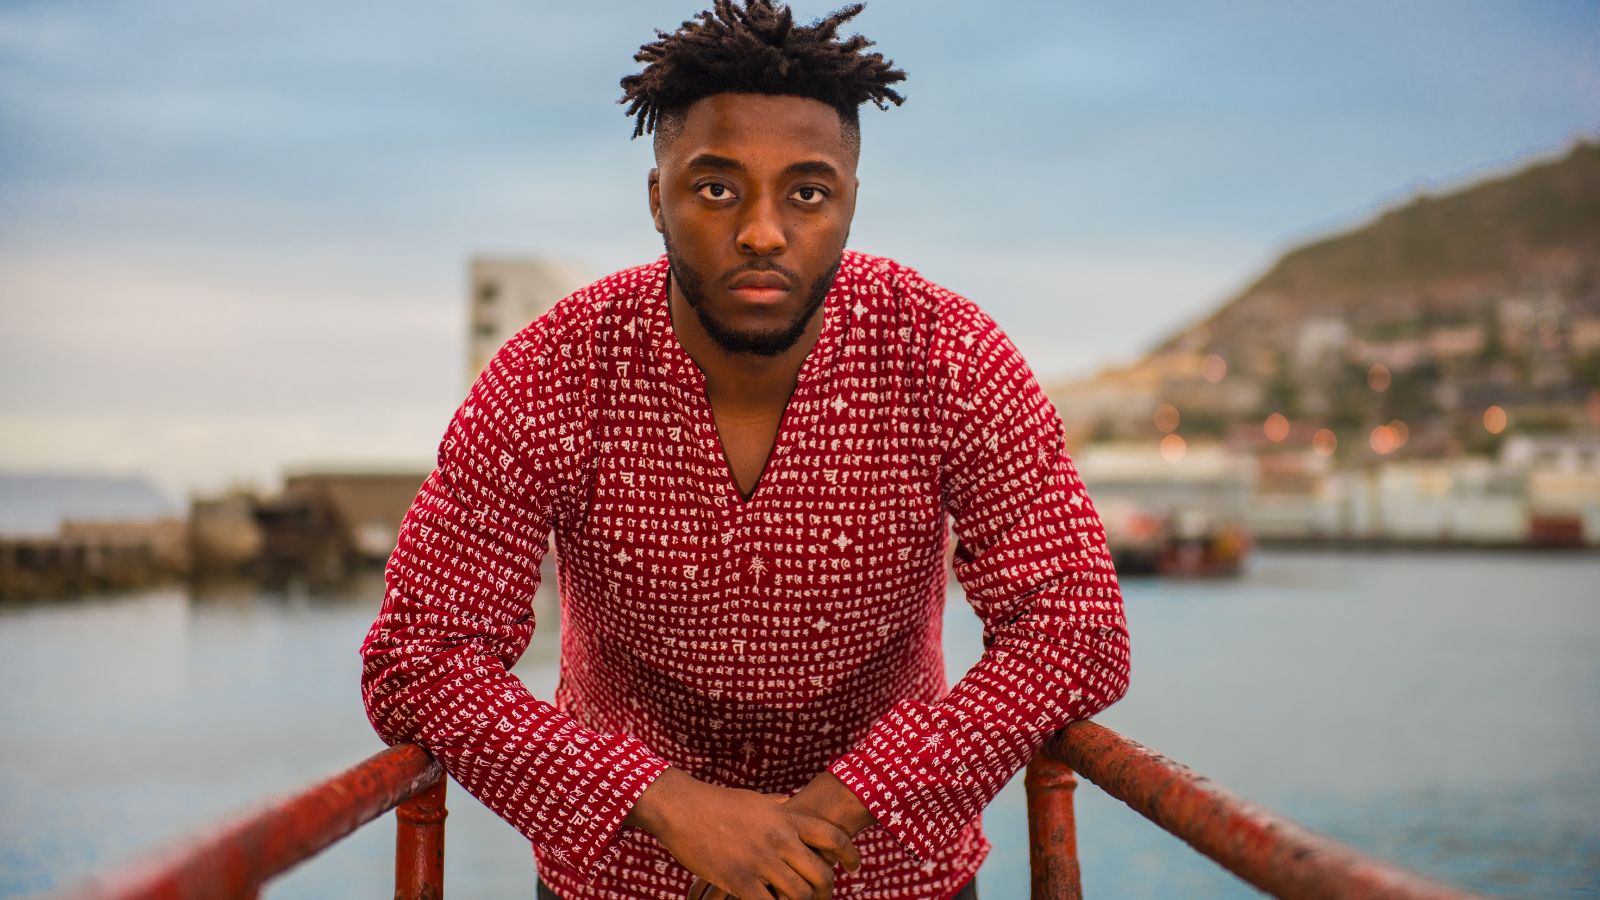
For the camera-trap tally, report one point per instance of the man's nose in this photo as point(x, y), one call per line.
point(761, 231)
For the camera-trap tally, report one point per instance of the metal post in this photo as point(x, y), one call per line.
point(419, 845)
point(1052, 830)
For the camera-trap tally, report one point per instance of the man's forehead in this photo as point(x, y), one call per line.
point(726, 124)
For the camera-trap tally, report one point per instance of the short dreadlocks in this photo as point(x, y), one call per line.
point(756, 49)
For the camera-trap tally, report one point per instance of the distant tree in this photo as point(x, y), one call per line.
point(1586, 370)
point(1413, 394)
point(1494, 346)
point(1282, 393)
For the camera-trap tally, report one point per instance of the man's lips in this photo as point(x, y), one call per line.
point(760, 286)
point(761, 281)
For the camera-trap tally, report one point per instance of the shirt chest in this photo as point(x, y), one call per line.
point(845, 522)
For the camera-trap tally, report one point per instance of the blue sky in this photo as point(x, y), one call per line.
point(233, 236)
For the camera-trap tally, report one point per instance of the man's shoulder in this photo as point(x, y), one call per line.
point(946, 322)
point(893, 283)
point(568, 334)
point(606, 302)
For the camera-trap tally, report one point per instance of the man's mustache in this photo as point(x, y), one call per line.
point(760, 265)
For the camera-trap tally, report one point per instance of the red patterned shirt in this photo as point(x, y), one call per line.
point(751, 643)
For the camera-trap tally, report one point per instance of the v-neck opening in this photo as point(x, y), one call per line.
point(772, 451)
point(686, 375)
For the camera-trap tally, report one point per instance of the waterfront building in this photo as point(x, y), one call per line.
point(326, 525)
point(71, 533)
point(507, 293)
point(224, 536)
point(1563, 484)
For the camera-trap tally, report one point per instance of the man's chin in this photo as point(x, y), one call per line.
point(754, 343)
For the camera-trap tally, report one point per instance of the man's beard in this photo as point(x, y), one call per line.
point(756, 343)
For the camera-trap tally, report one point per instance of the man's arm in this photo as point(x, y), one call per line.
point(457, 614)
point(1032, 558)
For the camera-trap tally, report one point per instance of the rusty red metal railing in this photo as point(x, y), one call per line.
point(234, 859)
point(1278, 856)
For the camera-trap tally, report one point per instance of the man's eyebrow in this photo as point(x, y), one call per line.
point(808, 167)
point(713, 161)
point(814, 167)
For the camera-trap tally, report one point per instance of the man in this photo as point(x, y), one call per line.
point(748, 452)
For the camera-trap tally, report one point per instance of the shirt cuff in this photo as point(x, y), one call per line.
point(907, 790)
point(594, 836)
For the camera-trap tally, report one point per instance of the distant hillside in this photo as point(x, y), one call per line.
point(1432, 313)
point(36, 504)
point(1498, 235)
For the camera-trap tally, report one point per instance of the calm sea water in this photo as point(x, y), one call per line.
point(1441, 711)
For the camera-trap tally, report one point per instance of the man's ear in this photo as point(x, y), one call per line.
point(654, 183)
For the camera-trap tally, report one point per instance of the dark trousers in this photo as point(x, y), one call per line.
point(970, 892)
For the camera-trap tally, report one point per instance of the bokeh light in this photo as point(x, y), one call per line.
point(1276, 427)
point(1495, 419)
point(1402, 432)
point(1173, 447)
point(1166, 418)
point(1214, 368)
point(1379, 377)
point(1383, 440)
point(1325, 442)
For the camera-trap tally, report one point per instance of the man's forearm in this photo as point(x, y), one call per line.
point(649, 810)
point(825, 796)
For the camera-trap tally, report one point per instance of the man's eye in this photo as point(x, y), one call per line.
point(714, 191)
point(810, 196)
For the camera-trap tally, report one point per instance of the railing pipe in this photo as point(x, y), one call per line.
point(419, 845)
point(1052, 830)
point(234, 859)
point(1274, 854)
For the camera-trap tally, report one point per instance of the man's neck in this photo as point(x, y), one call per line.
point(741, 382)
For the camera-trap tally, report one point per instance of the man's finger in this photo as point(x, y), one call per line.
point(755, 890)
point(830, 839)
point(705, 890)
point(790, 884)
point(817, 871)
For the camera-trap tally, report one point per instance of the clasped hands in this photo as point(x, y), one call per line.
point(744, 844)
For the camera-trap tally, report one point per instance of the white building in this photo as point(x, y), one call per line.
point(1467, 501)
point(507, 293)
point(1563, 474)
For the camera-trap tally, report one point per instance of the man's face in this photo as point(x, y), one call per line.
point(754, 197)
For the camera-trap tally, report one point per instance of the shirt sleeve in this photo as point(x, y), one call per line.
point(457, 614)
point(1032, 557)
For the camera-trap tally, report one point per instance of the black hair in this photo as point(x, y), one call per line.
point(756, 49)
